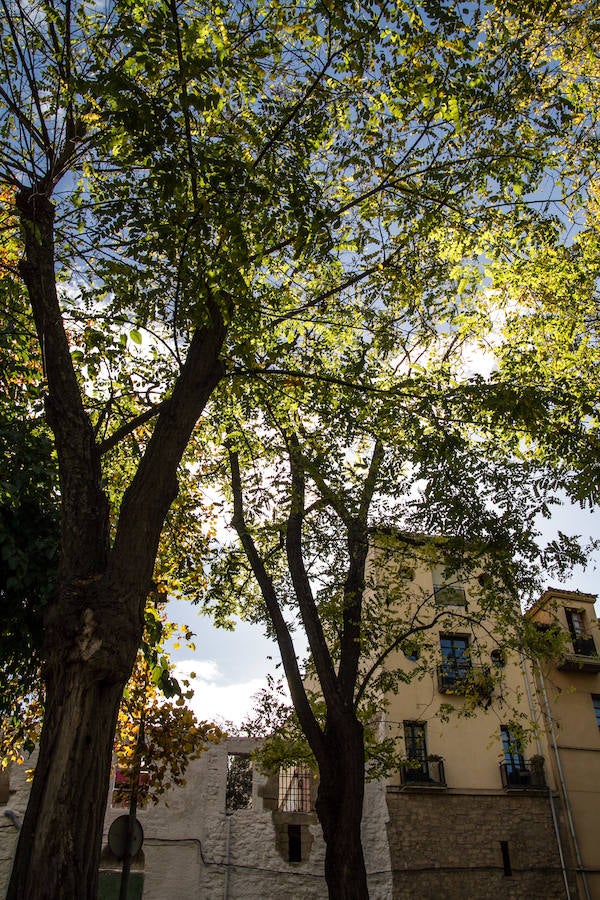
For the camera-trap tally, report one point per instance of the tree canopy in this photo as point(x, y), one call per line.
point(212, 198)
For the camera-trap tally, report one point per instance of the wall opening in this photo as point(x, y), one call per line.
point(505, 858)
point(238, 791)
point(294, 789)
point(294, 843)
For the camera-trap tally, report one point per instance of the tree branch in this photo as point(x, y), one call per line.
point(84, 505)
point(309, 724)
point(154, 486)
point(113, 439)
point(306, 603)
point(370, 482)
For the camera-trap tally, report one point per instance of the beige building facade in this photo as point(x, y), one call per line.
point(475, 810)
point(569, 691)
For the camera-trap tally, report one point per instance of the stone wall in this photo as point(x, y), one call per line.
point(195, 849)
point(443, 845)
point(15, 792)
point(448, 845)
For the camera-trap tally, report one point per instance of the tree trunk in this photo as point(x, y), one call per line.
point(94, 624)
point(88, 664)
point(339, 807)
point(66, 847)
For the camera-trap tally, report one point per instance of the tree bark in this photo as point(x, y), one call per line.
point(93, 626)
point(59, 844)
point(339, 807)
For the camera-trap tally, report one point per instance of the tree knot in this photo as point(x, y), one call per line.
point(87, 642)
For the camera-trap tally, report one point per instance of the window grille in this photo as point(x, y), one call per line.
point(294, 789)
point(121, 797)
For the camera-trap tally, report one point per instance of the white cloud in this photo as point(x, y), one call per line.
point(214, 699)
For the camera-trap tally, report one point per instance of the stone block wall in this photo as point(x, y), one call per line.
point(446, 846)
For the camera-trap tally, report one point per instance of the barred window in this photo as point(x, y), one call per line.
point(294, 789)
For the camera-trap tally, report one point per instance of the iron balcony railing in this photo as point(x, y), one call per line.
point(449, 595)
point(423, 773)
point(523, 774)
point(584, 646)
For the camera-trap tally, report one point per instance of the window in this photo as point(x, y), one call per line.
point(411, 652)
point(583, 644)
point(294, 789)
point(447, 590)
point(576, 622)
point(415, 745)
point(596, 702)
point(505, 858)
point(294, 843)
point(238, 790)
point(456, 662)
point(421, 768)
point(514, 764)
point(498, 658)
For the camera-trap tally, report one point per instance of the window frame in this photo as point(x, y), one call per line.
point(576, 622)
point(456, 667)
point(514, 758)
point(596, 705)
point(415, 748)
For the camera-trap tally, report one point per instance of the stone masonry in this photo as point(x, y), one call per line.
point(446, 846)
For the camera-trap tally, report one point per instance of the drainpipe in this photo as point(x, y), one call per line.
point(539, 748)
point(227, 857)
point(563, 785)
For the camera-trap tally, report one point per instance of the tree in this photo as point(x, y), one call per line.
point(173, 736)
point(157, 735)
point(199, 191)
point(539, 294)
point(327, 490)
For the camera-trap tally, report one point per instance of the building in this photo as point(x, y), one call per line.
point(569, 691)
point(229, 832)
point(475, 810)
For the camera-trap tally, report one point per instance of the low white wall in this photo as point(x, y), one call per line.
point(189, 855)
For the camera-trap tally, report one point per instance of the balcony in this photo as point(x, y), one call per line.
point(584, 657)
point(420, 773)
point(521, 774)
point(449, 595)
